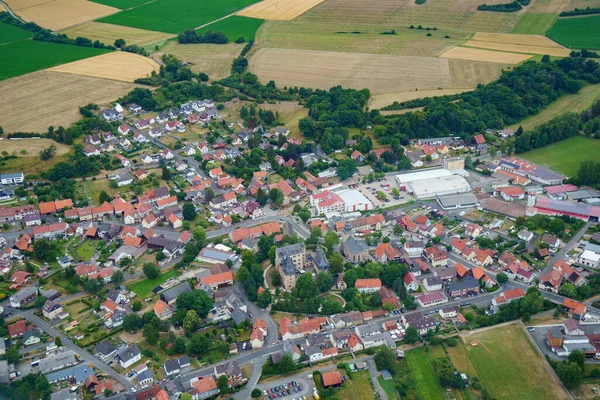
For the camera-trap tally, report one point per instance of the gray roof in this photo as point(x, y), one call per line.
point(310, 350)
point(239, 316)
point(354, 246)
point(453, 200)
point(174, 292)
point(57, 361)
point(368, 330)
point(230, 369)
point(290, 250)
point(314, 340)
point(320, 259)
point(592, 247)
point(24, 293)
point(80, 372)
point(4, 378)
point(288, 267)
point(105, 348)
point(466, 283)
point(171, 366)
point(64, 394)
point(433, 280)
point(34, 332)
point(215, 254)
point(129, 352)
point(144, 375)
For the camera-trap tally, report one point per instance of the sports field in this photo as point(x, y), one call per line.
point(108, 33)
point(40, 90)
point(118, 65)
point(283, 10)
point(18, 58)
point(510, 366)
point(578, 33)
point(121, 4)
point(422, 372)
point(566, 156)
point(175, 16)
point(9, 33)
point(235, 27)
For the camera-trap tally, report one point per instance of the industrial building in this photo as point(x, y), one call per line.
point(440, 186)
point(454, 201)
point(355, 201)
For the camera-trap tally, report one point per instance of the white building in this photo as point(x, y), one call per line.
point(439, 186)
point(589, 259)
point(355, 201)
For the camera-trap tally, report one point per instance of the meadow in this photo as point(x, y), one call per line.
point(578, 33)
point(423, 374)
point(566, 156)
point(9, 33)
point(175, 16)
point(510, 366)
point(143, 288)
point(26, 56)
point(234, 27)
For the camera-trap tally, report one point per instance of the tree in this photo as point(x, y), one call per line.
point(29, 387)
point(179, 345)
point(136, 305)
point(197, 300)
point(275, 278)
point(191, 322)
point(58, 341)
point(398, 230)
point(264, 299)
point(336, 263)
point(120, 43)
point(189, 211)
point(132, 323)
point(324, 281)
point(40, 301)
point(346, 168)
point(12, 355)
point(198, 344)
point(385, 359)
point(502, 278)
point(568, 290)
point(570, 374)
point(469, 162)
point(104, 197)
point(40, 248)
point(411, 335)
point(151, 271)
point(276, 197)
point(150, 333)
point(261, 197)
point(577, 357)
point(256, 394)
point(305, 287)
point(200, 236)
point(223, 383)
point(117, 277)
point(331, 240)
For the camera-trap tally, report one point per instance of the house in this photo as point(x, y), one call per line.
point(436, 257)
point(189, 150)
point(575, 309)
point(23, 297)
point(162, 310)
point(218, 281)
point(432, 299)
point(508, 296)
point(233, 372)
point(303, 328)
point(333, 378)
point(32, 336)
point(410, 282)
point(432, 283)
point(17, 329)
point(414, 248)
point(204, 388)
point(385, 253)
point(259, 334)
point(355, 251)
point(129, 355)
point(51, 309)
point(170, 296)
point(357, 156)
point(368, 285)
point(140, 174)
point(552, 241)
point(525, 235)
point(449, 312)
point(473, 230)
point(512, 193)
point(288, 260)
point(464, 287)
point(172, 367)
point(573, 327)
point(105, 350)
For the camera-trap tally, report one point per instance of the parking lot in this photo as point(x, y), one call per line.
point(297, 387)
point(385, 185)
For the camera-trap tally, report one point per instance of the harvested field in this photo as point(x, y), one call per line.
point(283, 10)
point(122, 4)
point(518, 48)
point(60, 14)
point(212, 59)
point(516, 39)
point(463, 53)
point(33, 147)
point(40, 90)
point(108, 33)
point(382, 100)
point(467, 74)
point(119, 65)
point(379, 73)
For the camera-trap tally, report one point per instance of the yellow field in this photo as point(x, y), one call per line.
point(467, 74)
point(33, 102)
point(511, 38)
point(59, 14)
point(382, 100)
point(119, 65)
point(33, 147)
point(518, 48)
point(212, 59)
point(463, 53)
point(379, 73)
point(282, 10)
point(108, 33)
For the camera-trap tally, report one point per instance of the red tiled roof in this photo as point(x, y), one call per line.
point(368, 283)
point(331, 378)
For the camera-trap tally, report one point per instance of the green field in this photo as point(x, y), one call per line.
point(175, 16)
point(9, 33)
point(234, 27)
point(566, 156)
point(422, 371)
point(121, 4)
point(27, 56)
point(510, 366)
point(535, 23)
point(143, 288)
point(578, 33)
point(86, 249)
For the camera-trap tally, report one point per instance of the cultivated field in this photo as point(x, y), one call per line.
point(121, 4)
point(175, 16)
point(39, 91)
point(464, 53)
point(18, 58)
point(118, 65)
point(578, 33)
point(568, 103)
point(108, 33)
point(541, 14)
point(283, 10)
point(510, 366)
point(212, 59)
point(59, 14)
point(9, 33)
point(33, 147)
point(566, 156)
point(379, 73)
point(532, 44)
point(234, 27)
point(382, 100)
point(467, 74)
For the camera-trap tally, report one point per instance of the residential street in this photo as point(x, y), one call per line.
point(374, 374)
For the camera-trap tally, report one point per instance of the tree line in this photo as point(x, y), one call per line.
point(580, 11)
point(514, 6)
point(192, 36)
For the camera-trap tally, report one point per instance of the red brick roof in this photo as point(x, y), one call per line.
point(331, 378)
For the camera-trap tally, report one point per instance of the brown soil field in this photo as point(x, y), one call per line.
point(382, 100)
point(467, 74)
point(33, 146)
point(464, 53)
point(55, 98)
point(119, 65)
point(108, 33)
point(212, 59)
point(60, 14)
point(283, 10)
point(519, 48)
point(379, 73)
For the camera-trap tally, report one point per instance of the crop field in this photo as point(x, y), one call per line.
point(566, 156)
point(379, 73)
point(578, 33)
point(39, 91)
point(18, 58)
point(212, 59)
point(283, 10)
point(121, 4)
point(234, 27)
point(467, 74)
point(510, 366)
point(108, 33)
point(532, 44)
point(423, 374)
point(60, 14)
point(9, 33)
point(382, 100)
point(464, 53)
point(541, 14)
point(568, 103)
point(119, 65)
point(175, 16)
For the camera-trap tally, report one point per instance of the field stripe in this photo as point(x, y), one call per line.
point(465, 53)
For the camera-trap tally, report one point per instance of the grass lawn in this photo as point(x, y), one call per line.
point(566, 156)
point(388, 387)
point(363, 385)
point(569, 103)
point(143, 288)
point(579, 33)
point(93, 189)
point(347, 391)
point(9, 33)
point(534, 23)
point(26, 56)
point(510, 367)
point(121, 4)
point(175, 16)
point(86, 249)
point(427, 384)
point(234, 27)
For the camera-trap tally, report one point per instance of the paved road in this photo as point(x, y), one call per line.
point(374, 374)
point(563, 252)
point(257, 365)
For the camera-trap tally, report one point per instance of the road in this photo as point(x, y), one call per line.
point(374, 374)
point(563, 252)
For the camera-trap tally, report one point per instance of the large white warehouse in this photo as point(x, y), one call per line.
point(404, 179)
point(439, 186)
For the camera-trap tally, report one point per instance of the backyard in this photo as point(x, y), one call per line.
point(422, 372)
point(143, 288)
point(86, 249)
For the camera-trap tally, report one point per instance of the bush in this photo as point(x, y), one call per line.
point(451, 341)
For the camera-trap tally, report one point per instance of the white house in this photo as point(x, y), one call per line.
point(410, 282)
point(589, 259)
point(168, 154)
